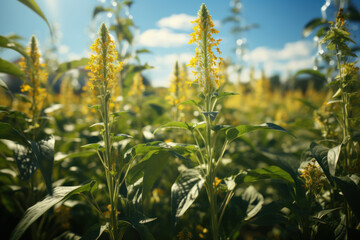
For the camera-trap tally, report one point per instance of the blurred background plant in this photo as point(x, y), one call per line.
point(305, 199)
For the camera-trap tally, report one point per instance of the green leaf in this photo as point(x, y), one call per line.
point(270, 214)
point(44, 152)
point(10, 133)
point(252, 202)
point(184, 191)
point(221, 95)
point(26, 161)
point(94, 146)
point(121, 136)
point(320, 154)
point(66, 66)
point(182, 125)
point(97, 124)
point(33, 6)
point(314, 73)
point(143, 50)
point(350, 187)
point(77, 154)
point(37, 210)
point(119, 113)
point(212, 115)
point(333, 157)
point(99, 9)
point(310, 26)
point(191, 102)
point(10, 68)
point(150, 167)
point(236, 132)
point(7, 43)
point(94, 232)
point(270, 172)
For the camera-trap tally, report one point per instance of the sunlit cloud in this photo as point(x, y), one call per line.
point(162, 38)
point(164, 66)
point(177, 21)
point(291, 50)
point(292, 57)
point(53, 8)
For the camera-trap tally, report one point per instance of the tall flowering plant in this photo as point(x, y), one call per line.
point(35, 77)
point(211, 140)
point(103, 69)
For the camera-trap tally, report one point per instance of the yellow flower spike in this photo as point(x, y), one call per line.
point(205, 62)
point(35, 75)
point(103, 64)
point(137, 87)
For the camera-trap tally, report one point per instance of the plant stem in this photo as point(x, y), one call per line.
point(346, 130)
point(210, 171)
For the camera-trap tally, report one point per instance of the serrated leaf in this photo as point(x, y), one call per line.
point(10, 68)
point(37, 210)
point(66, 66)
point(33, 6)
point(184, 191)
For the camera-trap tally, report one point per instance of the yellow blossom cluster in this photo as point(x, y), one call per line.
point(103, 65)
point(137, 87)
point(205, 62)
point(177, 88)
point(313, 176)
point(35, 75)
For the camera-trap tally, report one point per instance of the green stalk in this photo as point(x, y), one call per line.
point(346, 130)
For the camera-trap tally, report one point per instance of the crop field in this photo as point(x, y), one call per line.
point(91, 148)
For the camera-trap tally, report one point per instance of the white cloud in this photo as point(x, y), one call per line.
point(177, 21)
point(53, 7)
point(162, 38)
point(164, 66)
point(291, 58)
point(63, 49)
point(291, 50)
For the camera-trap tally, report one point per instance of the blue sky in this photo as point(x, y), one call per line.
point(162, 26)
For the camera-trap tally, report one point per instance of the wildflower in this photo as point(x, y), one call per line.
point(313, 176)
point(103, 65)
point(177, 89)
point(35, 75)
point(138, 87)
point(205, 61)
